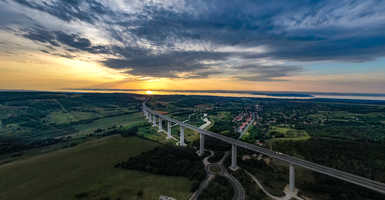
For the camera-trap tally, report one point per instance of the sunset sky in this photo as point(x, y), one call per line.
point(305, 45)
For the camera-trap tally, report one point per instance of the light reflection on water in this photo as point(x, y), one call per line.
point(229, 94)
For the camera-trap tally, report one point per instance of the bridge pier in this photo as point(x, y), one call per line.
point(168, 129)
point(234, 165)
point(149, 118)
point(291, 178)
point(154, 120)
point(181, 137)
point(160, 124)
point(201, 144)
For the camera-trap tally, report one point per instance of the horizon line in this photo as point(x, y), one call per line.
point(252, 92)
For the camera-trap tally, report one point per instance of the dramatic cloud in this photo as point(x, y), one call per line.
point(165, 64)
point(267, 73)
point(200, 38)
point(84, 10)
point(72, 42)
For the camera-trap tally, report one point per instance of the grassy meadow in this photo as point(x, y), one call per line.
point(87, 171)
point(285, 133)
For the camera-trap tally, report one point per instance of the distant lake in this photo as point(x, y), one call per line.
point(275, 95)
point(351, 97)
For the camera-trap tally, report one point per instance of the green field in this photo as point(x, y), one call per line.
point(247, 133)
point(287, 133)
point(152, 133)
point(41, 115)
point(123, 120)
point(87, 172)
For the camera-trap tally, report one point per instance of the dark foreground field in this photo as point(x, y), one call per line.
point(87, 172)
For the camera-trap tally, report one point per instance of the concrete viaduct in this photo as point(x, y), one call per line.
point(152, 117)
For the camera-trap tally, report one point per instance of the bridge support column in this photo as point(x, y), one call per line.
point(154, 120)
point(168, 129)
point(181, 136)
point(292, 178)
point(234, 165)
point(202, 144)
point(160, 124)
point(149, 118)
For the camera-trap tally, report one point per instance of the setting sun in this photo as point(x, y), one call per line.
point(148, 92)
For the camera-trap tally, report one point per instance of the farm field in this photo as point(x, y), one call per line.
point(87, 172)
point(41, 115)
point(285, 133)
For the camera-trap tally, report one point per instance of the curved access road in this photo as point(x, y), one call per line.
point(206, 181)
point(239, 191)
point(288, 195)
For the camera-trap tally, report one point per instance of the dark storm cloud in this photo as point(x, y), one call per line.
point(354, 49)
point(223, 22)
point(318, 35)
point(42, 36)
point(205, 74)
point(165, 64)
point(305, 30)
point(68, 10)
point(72, 42)
point(267, 73)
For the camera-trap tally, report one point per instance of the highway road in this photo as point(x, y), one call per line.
point(358, 180)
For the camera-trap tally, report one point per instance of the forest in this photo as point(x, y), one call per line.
point(218, 189)
point(169, 160)
point(274, 177)
point(363, 159)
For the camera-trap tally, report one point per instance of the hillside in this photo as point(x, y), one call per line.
point(87, 172)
